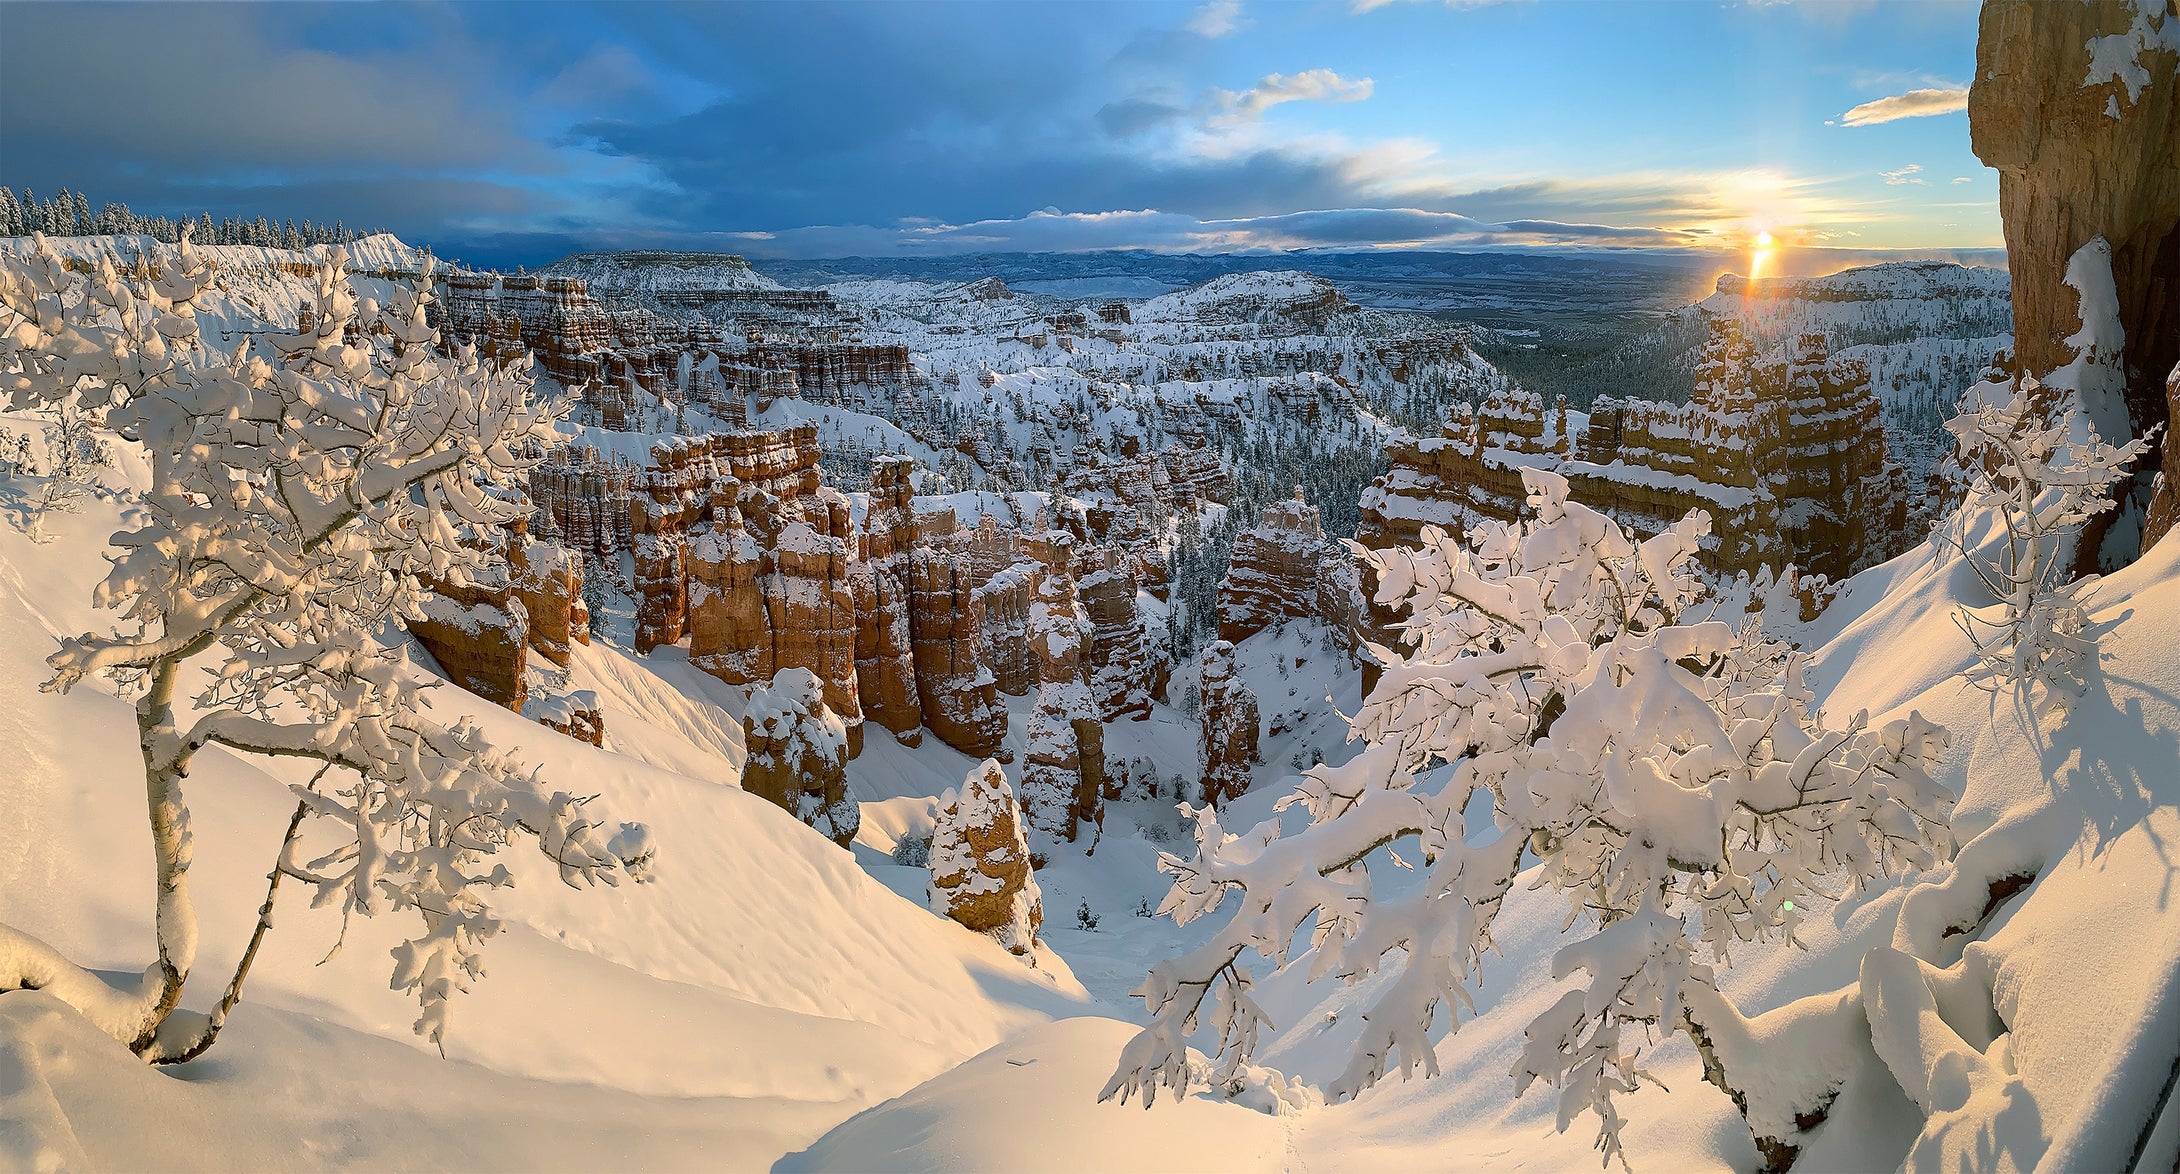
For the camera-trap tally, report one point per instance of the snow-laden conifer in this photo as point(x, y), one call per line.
point(298, 492)
point(1665, 772)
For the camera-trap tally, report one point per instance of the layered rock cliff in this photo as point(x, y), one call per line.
point(1785, 452)
point(2078, 107)
point(1227, 739)
point(1275, 572)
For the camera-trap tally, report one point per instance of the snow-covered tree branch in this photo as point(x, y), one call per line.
point(1670, 778)
point(299, 490)
point(2041, 469)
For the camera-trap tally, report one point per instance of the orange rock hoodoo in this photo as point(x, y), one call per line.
point(885, 665)
point(1063, 779)
point(1227, 749)
point(527, 597)
point(912, 622)
point(1286, 569)
point(1126, 671)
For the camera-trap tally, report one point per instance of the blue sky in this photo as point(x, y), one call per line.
point(504, 132)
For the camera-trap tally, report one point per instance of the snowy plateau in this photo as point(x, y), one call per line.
point(664, 711)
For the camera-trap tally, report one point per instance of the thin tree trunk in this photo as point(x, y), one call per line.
point(173, 847)
point(218, 1020)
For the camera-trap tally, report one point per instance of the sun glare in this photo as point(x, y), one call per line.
point(1760, 256)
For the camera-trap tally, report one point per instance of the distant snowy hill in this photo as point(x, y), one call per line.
point(1900, 302)
point(668, 283)
point(651, 272)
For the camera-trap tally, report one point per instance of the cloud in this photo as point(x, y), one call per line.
point(1217, 18)
point(1133, 116)
point(1913, 104)
point(423, 128)
point(1903, 175)
point(1157, 231)
point(1310, 85)
point(499, 134)
point(1964, 179)
point(1360, 6)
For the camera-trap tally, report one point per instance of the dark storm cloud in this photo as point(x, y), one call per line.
point(501, 132)
point(206, 89)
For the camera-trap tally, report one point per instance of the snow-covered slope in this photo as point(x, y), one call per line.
point(2075, 1042)
point(380, 252)
point(763, 989)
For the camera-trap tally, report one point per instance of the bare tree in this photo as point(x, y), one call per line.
point(298, 491)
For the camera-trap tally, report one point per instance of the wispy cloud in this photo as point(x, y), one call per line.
point(1964, 179)
point(1217, 18)
point(1913, 104)
point(1369, 5)
point(1903, 175)
point(1310, 85)
point(1158, 231)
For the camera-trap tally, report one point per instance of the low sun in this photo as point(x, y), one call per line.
point(1761, 255)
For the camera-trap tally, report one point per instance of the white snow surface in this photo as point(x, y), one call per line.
point(763, 989)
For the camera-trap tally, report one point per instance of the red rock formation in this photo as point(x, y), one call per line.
point(480, 637)
point(575, 714)
point(587, 499)
point(885, 666)
point(481, 631)
point(798, 754)
point(772, 592)
point(954, 686)
point(1062, 781)
point(554, 317)
point(2163, 515)
point(2083, 129)
point(781, 462)
point(730, 633)
point(1196, 470)
point(548, 580)
point(662, 595)
point(1126, 672)
point(1004, 599)
point(980, 862)
point(1788, 458)
point(1227, 749)
point(1274, 572)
